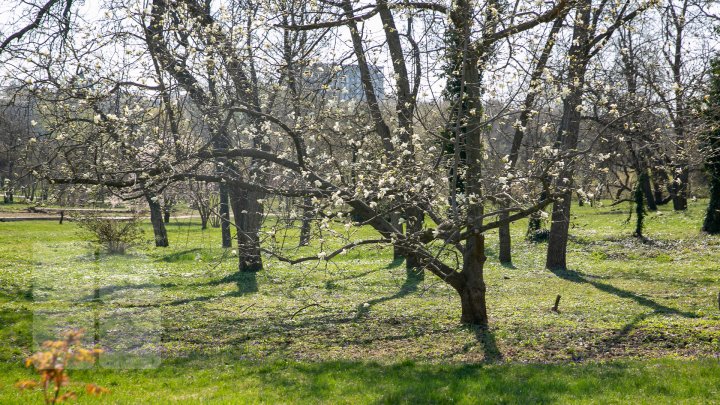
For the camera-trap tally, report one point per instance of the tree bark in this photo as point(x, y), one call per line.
point(413, 226)
point(306, 222)
point(166, 214)
point(568, 133)
point(658, 186)
point(156, 218)
point(248, 219)
point(647, 191)
point(472, 56)
point(711, 224)
point(680, 187)
point(225, 216)
point(505, 242)
point(404, 107)
point(472, 294)
point(558, 238)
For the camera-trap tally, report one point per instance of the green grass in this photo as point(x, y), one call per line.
point(637, 323)
point(640, 382)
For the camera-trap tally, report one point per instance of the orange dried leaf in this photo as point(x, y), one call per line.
point(94, 389)
point(26, 384)
point(68, 395)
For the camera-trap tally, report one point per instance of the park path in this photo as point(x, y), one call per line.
point(54, 214)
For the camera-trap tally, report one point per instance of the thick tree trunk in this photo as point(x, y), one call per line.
point(647, 191)
point(472, 295)
point(711, 224)
point(468, 132)
point(156, 218)
point(680, 189)
point(248, 219)
point(558, 238)
point(657, 186)
point(225, 216)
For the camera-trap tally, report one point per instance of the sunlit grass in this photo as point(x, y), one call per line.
point(356, 330)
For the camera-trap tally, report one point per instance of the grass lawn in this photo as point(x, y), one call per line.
point(638, 322)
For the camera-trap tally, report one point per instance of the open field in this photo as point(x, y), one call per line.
point(637, 322)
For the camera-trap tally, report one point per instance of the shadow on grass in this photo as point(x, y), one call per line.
point(411, 383)
point(395, 263)
point(200, 378)
point(605, 345)
point(356, 276)
point(185, 255)
point(180, 223)
point(246, 282)
point(486, 339)
point(15, 334)
point(578, 277)
point(104, 291)
point(412, 281)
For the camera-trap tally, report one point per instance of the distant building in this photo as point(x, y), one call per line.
point(343, 82)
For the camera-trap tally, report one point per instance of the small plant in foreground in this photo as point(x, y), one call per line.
point(115, 235)
point(538, 235)
point(52, 363)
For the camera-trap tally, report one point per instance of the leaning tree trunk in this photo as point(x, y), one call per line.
point(568, 133)
point(156, 218)
point(560, 224)
point(505, 241)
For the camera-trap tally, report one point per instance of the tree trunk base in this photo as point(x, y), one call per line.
point(250, 267)
point(472, 301)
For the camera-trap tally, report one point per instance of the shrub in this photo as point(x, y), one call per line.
point(115, 235)
point(538, 235)
point(52, 364)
